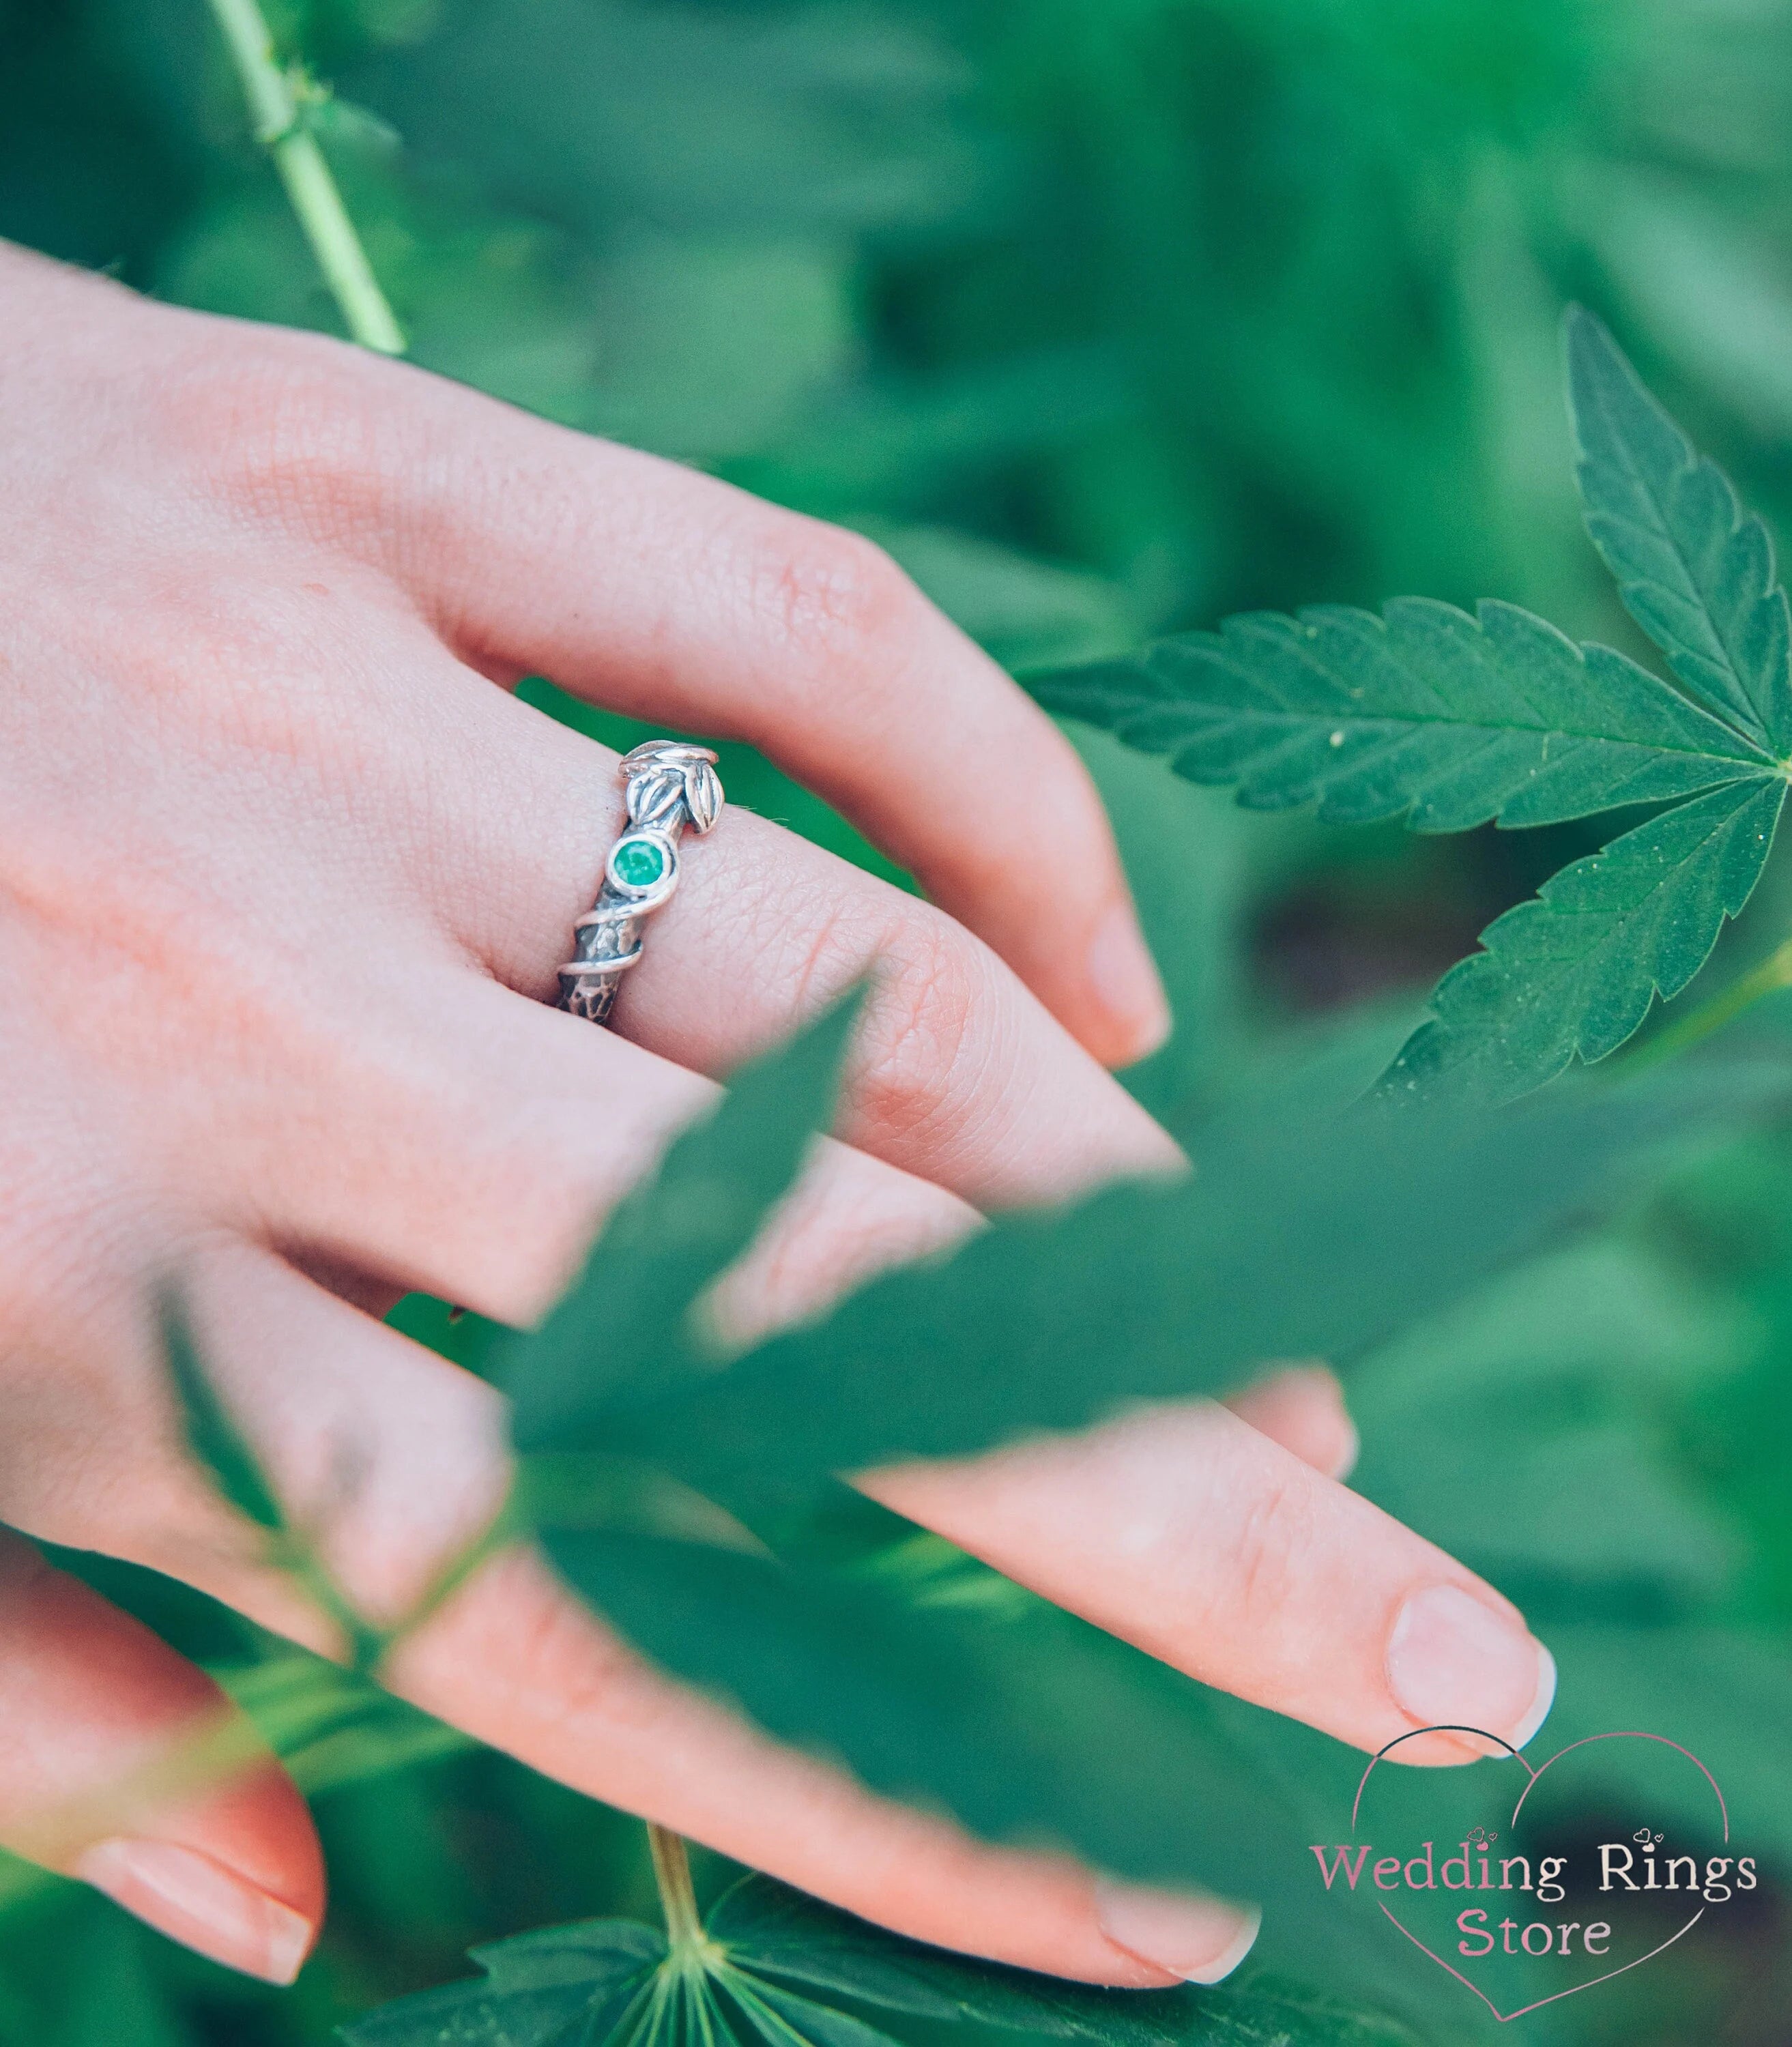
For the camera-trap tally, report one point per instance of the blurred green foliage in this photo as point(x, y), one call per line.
point(1108, 317)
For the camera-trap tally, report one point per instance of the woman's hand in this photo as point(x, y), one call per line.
point(284, 878)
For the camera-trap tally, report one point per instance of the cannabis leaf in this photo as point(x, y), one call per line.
point(1695, 573)
point(1297, 1237)
point(1450, 721)
point(1300, 1234)
point(771, 1966)
point(1425, 713)
point(562, 1987)
point(1575, 969)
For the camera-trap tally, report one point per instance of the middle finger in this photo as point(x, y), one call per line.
point(959, 1074)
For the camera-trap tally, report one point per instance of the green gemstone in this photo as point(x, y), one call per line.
point(638, 863)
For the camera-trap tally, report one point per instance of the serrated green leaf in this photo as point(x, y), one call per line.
point(1696, 573)
point(212, 1437)
point(466, 2015)
point(772, 1930)
point(561, 1986)
point(1573, 972)
point(1297, 1237)
point(595, 1952)
point(1424, 714)
point(624, 1328)
point(1450, 721)
point(613, 1981)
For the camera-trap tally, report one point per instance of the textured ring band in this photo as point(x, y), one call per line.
point(669, 786)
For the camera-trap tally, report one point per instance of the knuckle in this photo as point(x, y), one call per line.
point(1265, 1547)
point(936, 1055)
point(556, 1647)
point(295, 426)
point(834, 597)
point(922, 1081)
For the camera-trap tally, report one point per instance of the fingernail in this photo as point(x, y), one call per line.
point(201, 1904)
point(1199, 1939)
point(1125, 980)
point(1454, 1661)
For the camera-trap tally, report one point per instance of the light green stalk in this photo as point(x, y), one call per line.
point(678, 1899)
point(275, 106)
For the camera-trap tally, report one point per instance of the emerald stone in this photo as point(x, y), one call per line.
point(638, 863)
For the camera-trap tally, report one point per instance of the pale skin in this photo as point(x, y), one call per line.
point(285, 872)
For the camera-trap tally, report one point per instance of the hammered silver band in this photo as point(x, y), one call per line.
point(669, 786)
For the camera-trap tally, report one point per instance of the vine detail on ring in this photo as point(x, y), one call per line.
point(668, 785)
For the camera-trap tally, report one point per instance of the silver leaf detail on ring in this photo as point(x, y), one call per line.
point(663, 775)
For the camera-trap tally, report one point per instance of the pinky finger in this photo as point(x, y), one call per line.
point(122, 1764)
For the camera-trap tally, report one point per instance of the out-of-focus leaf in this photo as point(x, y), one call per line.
point(835, 1664)
point(331, 1727)
point(1557, 1383)
point(1712, 292)
point(709, 349)
point(1195, 862)
point(216, 1443)
point(694, 119)
point(895, 445)
point(1294, 1238)
point(1426, 714)
point(1711, 1687)
point(1696, 573)
point(112, 1996)
point(497, 301)
point(1573, 972)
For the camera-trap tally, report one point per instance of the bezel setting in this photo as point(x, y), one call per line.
point(646, 895)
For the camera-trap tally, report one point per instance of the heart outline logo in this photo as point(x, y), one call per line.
point(1532, 1778)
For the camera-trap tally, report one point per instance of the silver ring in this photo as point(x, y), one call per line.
point(669, 785)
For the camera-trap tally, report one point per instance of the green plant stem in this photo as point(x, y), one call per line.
point(1767, 978)
point(678, 1899)
point(280, 127)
